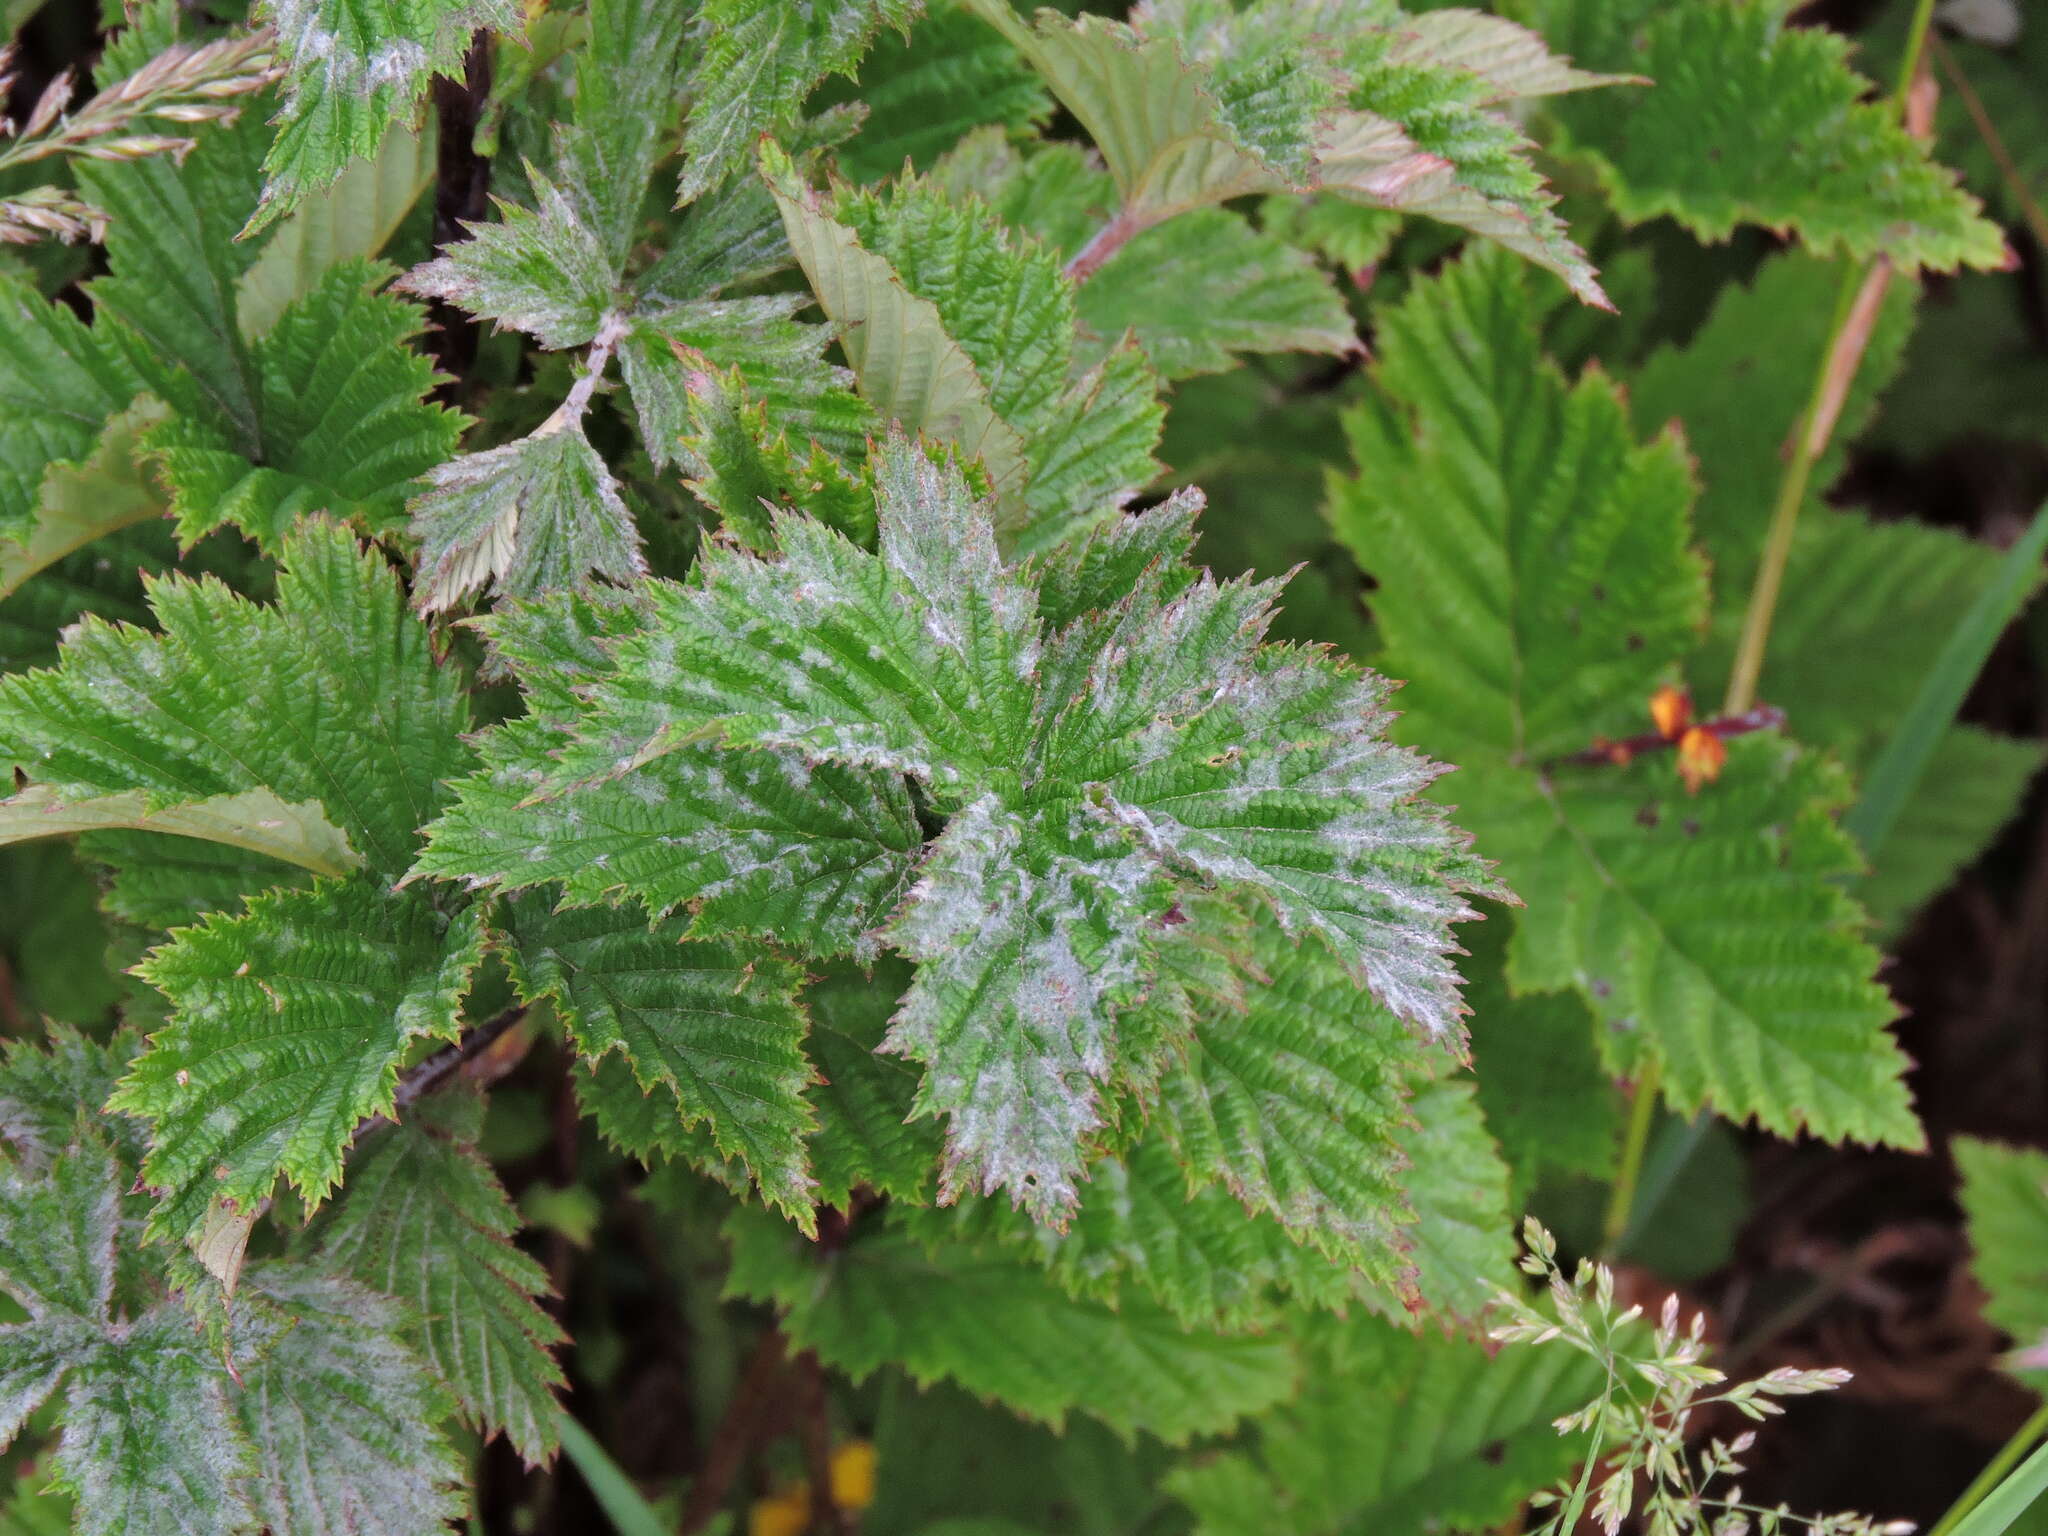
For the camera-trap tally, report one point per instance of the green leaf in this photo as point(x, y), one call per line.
point(345, 425)
point(532, 516)
point(1777, 132)
point(925, 93)
point(175, 268)
point(716, 1023)
point(1545, 595)
point(744, 465)
point(1449, 1437)
point(1206, 286)
point(352, 220)
point(331, 697)
point(759, 61)
point(289, 1024)
point(1001, 1328)
point(59, 383)
point(1462, 1243)
point(546, 273)
point(865, 1137)
point(149, 1444)
point(353, 68)
point(1091, 774)
point(1196, 104)
point(344, 1418)
point(757, 843)
point(425, 1220)
point(667, 349)
point(2005, 1197)
point(78, 503)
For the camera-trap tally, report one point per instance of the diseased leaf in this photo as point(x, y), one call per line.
point(425, 1220)
point(1092, 773)
point(353, 69)
point(533, 516)
point(344, 1419)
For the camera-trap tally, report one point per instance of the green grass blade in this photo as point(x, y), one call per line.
point(1898, 769)
point(629, 1513)
point(2009, 1500)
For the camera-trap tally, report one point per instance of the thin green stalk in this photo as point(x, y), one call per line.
point(629, 1513)
point(1808, 443)
point(1770, 570)
point(1621, 1198)
point(1916, 45)
point(2026, 1487)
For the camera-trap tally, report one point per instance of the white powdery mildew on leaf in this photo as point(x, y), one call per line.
point(1028, 951)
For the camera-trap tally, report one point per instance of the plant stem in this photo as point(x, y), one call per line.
point(1916, 45)
point(1103, 244)
point(1621, 1198)
point(736, 1433)
point(1994, 141)
point(1994, 1471)
point(1855, 311)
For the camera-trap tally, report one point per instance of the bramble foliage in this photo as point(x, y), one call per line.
point(823, 806)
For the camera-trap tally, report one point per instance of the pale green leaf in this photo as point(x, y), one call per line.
point(255, 821)
point(353, 219)
point(535, 515)
point(343, 1417)
point(106, 490)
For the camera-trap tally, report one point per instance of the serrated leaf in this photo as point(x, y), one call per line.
point(1462, 1242)
point(532, 516)
point(343, 1417)
point(175, 266)
point(1205, 287)
point(149, 1445)
point(44, 1082)
point(865, 1138)
point(758, 843)
point(1537, 606)
point(350, 221)
point(1777, 132)
point(331, 697)
point(106, 490)
point(425, 1220)
point(544, 271)
point(910, 370)
point(2005, 1196)
point(760, 59)
point(1197, 104)
point(922, 95)
point(667, 348)
point(60, 383)
point(344, 423)
point(1091, 774)
point(715, 1023)
point(352, 69)
point(1000, 1327)
point(744, 465)
point(288, 1027)
point(1450, 1437)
